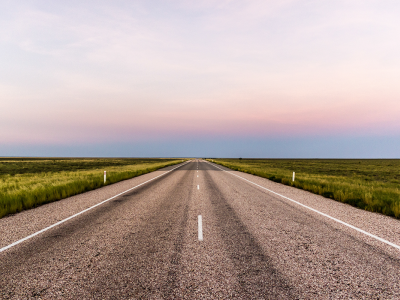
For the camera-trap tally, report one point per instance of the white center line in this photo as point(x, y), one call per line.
point(318, 212)
point(83, 211)
point(200, 222)
point(198, 187)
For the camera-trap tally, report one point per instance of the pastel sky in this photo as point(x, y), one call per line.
point(200, 78)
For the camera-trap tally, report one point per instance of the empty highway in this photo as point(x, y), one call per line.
point(199, 231)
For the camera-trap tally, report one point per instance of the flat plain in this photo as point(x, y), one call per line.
point(143, 243)
point(370, 184)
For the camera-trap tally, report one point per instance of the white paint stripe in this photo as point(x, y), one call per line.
point(318, 212)
point(200, 222)
point(198, 187)
point(79, 213)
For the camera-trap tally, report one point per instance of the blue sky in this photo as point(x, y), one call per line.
point(200, 78)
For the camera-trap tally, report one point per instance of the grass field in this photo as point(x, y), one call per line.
point(29, 182)
point(368, 184)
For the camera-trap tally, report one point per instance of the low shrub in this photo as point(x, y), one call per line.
point(372, 185)
point(28, 190)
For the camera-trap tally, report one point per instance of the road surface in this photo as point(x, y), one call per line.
point(199, 232)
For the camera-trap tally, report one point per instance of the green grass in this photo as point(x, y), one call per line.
point(370, 184)
point(29, 182)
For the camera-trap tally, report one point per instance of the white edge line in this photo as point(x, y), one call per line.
point(317, 211)
point(81, 212)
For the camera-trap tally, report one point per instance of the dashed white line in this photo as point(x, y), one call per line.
point(198, 187)
point(318, 212)
point(200, 223)
point(79, 213)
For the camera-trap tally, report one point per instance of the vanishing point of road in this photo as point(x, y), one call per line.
point(199, 231)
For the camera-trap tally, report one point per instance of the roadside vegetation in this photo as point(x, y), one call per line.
point(29, 182)
point(370, 184)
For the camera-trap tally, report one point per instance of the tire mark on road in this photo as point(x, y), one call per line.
point(151, 254)
point(257, 277)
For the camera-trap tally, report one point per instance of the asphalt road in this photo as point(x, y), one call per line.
point(145, 244)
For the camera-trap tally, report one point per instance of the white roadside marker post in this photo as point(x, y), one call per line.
point(293, 177)
point(105, 177)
